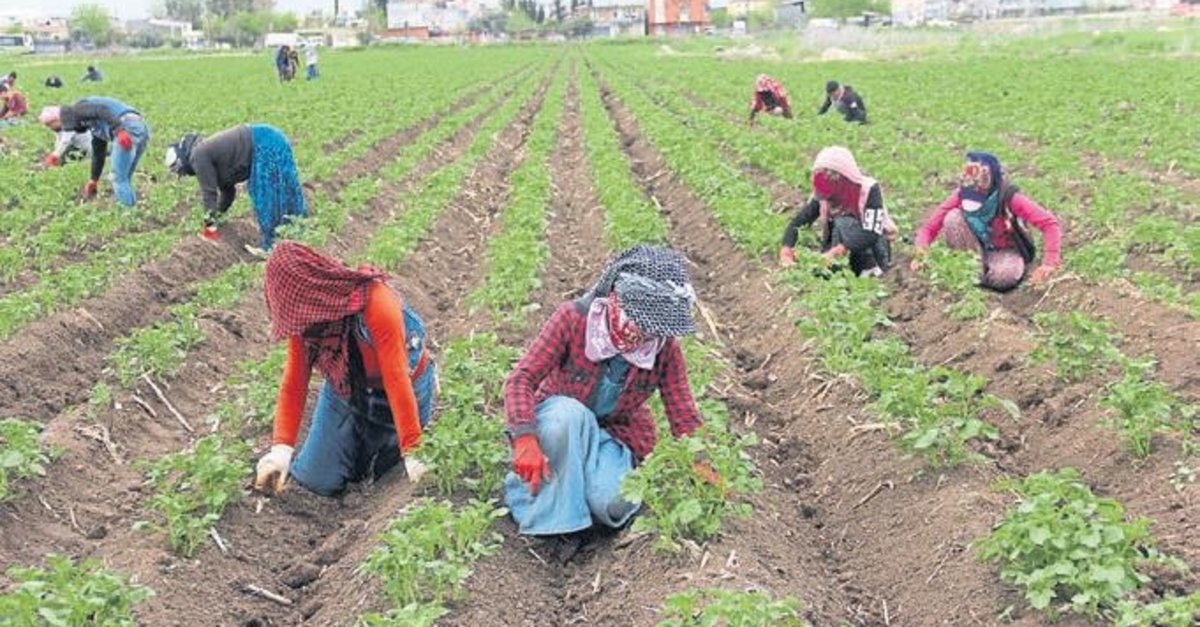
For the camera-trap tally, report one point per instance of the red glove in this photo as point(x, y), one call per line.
point(787, 257)
point(51, 160)
point(210, 233)
point(528, 461)
point(89, 190)
point(124, 140)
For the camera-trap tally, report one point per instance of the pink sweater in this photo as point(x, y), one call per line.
point(1022, 206)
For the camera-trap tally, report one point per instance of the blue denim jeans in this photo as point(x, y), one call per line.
point(125, 161)
point(586, 468)
point(343, 445)
point(312, 72)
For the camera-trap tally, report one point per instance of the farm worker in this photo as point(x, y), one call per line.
point(379, 379)
point(293, 62)
point(283, 63)
point(769, 96)
point(108, 120)
point(54, 81)
point(9, 79)
point(310, 58)
point(849, 205)
point(985, 215)
point(12, 104)
point(576, 401)
point(69, 145)
point(92, 75)
point(846, 101)
point(257, 153)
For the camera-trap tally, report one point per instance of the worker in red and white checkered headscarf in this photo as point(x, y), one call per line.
point(379, 381)
point(769, 96)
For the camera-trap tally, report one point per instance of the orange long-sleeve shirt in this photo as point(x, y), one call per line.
point(386, 361)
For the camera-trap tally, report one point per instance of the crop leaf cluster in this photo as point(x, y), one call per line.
point(66, 593)
point(193, 488)
point(713, 606)
point(1065, 548)
point(21, 453)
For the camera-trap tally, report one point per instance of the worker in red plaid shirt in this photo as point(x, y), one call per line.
point(576, 402)
point(770, 97)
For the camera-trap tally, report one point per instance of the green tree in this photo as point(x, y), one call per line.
point(849, 8)
point(93, 22)
point(720, 18)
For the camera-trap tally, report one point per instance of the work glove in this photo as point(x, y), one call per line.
point(124, 140)
point(787, 256)
point(528, 461)
point(273, 468)
point(414, 469)
point(210, 233)
point(1042, 274)
point(51, 160)
point(89, 190)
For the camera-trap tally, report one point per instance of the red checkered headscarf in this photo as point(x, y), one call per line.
point(312, 296)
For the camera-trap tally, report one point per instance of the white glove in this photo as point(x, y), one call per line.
point(414, 469)
point(273, 468)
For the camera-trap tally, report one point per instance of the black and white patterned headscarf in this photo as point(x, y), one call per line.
point(653, 287)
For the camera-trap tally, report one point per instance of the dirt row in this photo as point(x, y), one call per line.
point(936, 517)
point(53, 362)
point(88, 508)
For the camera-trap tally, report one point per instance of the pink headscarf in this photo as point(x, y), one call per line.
point(841, 160)
point(49, 114)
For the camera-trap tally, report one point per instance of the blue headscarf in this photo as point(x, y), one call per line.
point(979, 191)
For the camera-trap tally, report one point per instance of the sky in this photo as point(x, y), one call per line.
point(134, 9)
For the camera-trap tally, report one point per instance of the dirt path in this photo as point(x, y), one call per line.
point(524, 584)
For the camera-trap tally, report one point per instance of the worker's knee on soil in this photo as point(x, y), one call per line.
point(1003, 270)
point(560, 419)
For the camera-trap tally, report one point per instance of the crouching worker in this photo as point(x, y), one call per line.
point(984, 215)
point(576, 402)
point(257, 153)
point(769, 96)
point(854, 222)
point(379, 380)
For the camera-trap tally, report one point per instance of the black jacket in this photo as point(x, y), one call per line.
point(220, 163)
point(850, 105)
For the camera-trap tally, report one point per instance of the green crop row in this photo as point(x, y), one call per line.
point(69, 593)
point(393, 242)
point(1140, 407)
point(516, 254)
point(629, 218)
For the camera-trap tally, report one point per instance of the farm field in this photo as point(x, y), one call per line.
point(902, 451)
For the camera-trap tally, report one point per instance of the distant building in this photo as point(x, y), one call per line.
point(422, 20)
point(167, 29)
point(614, 18)
point(676, 17)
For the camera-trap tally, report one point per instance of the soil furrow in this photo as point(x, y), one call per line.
point(523, 584)
point(293, 524)
point(52, 363)
point(794, 550)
